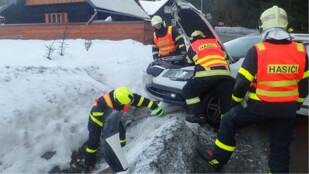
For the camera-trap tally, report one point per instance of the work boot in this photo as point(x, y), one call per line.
point(197, 118)
point(207, 155)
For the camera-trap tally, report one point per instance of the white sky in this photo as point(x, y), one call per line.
point(45, 103)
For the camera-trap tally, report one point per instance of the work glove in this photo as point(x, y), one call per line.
point(159, 112)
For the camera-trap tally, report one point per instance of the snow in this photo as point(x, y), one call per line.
point(45, 103)
point(151, 7)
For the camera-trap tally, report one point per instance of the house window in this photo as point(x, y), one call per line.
point(56, 18)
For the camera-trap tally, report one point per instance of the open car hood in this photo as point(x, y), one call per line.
point(190, 19)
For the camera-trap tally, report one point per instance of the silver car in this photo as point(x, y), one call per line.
point(164, 80)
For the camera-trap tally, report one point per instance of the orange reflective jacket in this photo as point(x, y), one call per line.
point(165, 44)
point(280, 68)
point(209, 53)
point(109, 102)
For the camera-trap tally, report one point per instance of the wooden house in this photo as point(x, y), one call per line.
point(43, 19)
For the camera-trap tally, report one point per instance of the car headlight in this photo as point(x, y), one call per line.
point(179, 74)
point(147, 80)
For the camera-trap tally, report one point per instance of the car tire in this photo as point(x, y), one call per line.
point(211, 104)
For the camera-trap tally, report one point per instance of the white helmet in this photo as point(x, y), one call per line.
point(274, 17)
point(156, 20)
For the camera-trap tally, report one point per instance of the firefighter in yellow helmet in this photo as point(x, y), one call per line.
point(105, 109)
point(166, 40)
point(212, 73)
point(275, 75)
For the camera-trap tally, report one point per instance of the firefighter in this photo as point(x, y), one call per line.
point(116, 100)
point(212, 73)
point(275, 75)
point(166, 40)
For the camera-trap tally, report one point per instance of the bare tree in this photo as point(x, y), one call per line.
point(88, 44)
point(50, 49)
point(63, 45)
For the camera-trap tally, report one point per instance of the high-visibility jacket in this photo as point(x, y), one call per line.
point(97, 117)
point(209, 53)
point(280, 68)
point(165, 44)
point(109, 102)
point(209, 59)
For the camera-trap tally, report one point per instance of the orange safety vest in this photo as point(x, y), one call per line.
point(109, 102)
point(165, 44)
point(280, 68)
point(209, 53)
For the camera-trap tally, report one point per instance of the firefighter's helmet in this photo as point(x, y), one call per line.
point(197, 33)
point(123, 95)
point(157, 20)
point(274, 17)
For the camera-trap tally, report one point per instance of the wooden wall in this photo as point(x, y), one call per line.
point(38, 2)
point(139, 31)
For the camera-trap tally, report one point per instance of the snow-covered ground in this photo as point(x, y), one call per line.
point(45, 103)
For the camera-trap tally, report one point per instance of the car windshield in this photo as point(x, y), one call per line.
point(239, 47)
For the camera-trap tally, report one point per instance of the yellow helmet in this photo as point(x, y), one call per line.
point(123, 95)
point(156, 20)
point(274, 17)
point(197, 33)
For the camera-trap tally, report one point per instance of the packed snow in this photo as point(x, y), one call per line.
point(45, 103)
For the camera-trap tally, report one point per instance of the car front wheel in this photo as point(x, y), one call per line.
point(211, 104)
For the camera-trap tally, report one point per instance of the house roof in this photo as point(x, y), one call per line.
point(151, 7)
point(122, 7)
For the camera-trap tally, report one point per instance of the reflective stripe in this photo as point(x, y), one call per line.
point(225, 147)
point(195, 58)
point(306, 74)
point(150, 104)
point(182, 45)
point(108, 101)
point(177, 38)
point(211, 57)
point(155, 52)
point(300, 100)
point(260, 46)
point(140, 101)
point(212, 73)
point(281, 83)
point(236, 98)
point(163, 43)
point(154, 46)
point(213, 162)
point(246, 74)
point(96, 120)
point(97, 113)
point(123, 141)
point(253, 96)
point(90, 150)
point(277, 93)
point(300, 47)
point(193, 100)
point(209, 63)
point(166, 48)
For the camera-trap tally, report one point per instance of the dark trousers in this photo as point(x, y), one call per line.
point(222, 88)
point(94, 140)
point(281, 124)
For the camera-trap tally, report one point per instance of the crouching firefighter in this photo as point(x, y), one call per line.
point(211, 73)
point(275, 90)
point(106, 114)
